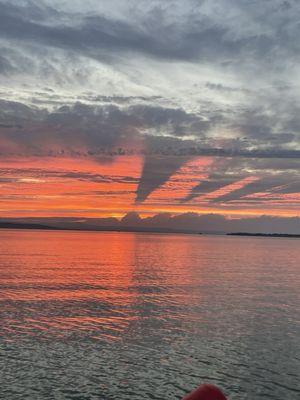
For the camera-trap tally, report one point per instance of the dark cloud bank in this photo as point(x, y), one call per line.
point(165, 222)
point(95, 131)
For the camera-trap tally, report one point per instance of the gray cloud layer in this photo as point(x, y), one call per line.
point(171, 78)
point(202, 32)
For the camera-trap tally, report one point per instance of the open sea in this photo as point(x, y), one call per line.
point(104, 315)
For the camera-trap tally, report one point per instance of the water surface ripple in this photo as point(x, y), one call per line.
point(92, 315)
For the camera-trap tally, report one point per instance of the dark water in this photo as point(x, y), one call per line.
point(145, 316)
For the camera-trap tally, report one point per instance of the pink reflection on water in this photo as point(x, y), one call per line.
point(107, 285)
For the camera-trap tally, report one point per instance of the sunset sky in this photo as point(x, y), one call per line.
point(108, 107)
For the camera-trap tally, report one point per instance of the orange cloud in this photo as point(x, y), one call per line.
point(65, 186)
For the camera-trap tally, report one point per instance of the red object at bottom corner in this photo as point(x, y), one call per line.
point(206, 392)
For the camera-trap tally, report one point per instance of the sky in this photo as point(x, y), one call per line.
point(109, 107)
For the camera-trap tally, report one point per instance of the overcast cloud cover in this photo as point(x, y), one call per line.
point(170, 79)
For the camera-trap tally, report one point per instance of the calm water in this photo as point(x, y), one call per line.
point(91, 315)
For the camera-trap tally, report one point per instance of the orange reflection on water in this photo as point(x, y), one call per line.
point(72, 281)
point(93, 283)
point(106, 285)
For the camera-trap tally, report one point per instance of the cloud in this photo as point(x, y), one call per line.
point(189, 222)
point(285, 188)
point(215, 182)
point(231, 179)
point(77, 175)
point(203, 32)
point(5, 65)
point(156, 171)
point(171, 130)
point(241, 40)
point(168, 80)
point(166, 137)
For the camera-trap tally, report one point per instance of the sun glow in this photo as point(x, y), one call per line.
point(107, 187)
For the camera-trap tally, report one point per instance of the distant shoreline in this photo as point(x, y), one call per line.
point(12, 225)
point(15, 225)
point(32, 226)
point(288, 235)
